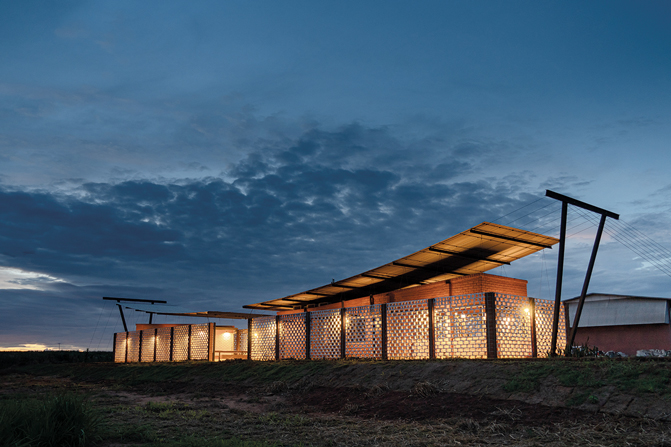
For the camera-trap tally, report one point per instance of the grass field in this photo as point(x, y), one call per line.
point(349, 402)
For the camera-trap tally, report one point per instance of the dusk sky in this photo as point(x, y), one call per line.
point(221, 153)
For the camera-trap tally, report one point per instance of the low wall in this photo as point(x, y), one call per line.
point(481, 325)
point(166, 344)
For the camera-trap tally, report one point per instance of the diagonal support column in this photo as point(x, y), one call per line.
point(123, 318)
point(565, 200)
point(588, 276)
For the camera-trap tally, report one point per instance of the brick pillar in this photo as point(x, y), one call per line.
point(307, 334)
point(188, 345)
point(212, 332)
point(490, 324)
point(277, 337)
point(155, 341)
point(342, 333)
point(532, 318)
point(432, 332)
point(567, 327)
point(249, 338)
point(172, 342)
point(383, 312)
point(139, 348)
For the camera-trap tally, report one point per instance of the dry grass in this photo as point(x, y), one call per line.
point(425, 389)
point(286, 427)
point(376, 391)
point(138, 418)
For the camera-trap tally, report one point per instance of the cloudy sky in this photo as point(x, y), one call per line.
point(220, 153)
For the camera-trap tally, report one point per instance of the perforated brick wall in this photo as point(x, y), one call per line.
point(292, 336)
point(513, 326)
point(325, 334)
point(363, 332)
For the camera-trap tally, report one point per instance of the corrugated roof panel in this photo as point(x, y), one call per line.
point(477, 250)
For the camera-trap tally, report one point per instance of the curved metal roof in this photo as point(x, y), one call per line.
point(481, 248)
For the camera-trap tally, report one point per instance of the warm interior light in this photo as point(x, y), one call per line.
point(227, 335)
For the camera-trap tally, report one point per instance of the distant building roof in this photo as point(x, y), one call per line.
point(604, 296)
point(605, 309)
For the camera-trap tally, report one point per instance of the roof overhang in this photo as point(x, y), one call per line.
point(477, 250)
point(206, 314)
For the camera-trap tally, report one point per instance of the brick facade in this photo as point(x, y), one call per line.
point(627, 339)
point(478, 283)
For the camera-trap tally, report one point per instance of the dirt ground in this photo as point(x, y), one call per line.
point(313, 411)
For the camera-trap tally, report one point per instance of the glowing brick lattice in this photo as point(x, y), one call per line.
point(459, 324)
point(469, 334)
point(513, 326)
point(442, 321)
point(180, 343)
point(363, 332)
point(120, 348)
point(544, 314)
point(292, 336)
point(163, 344)
point(263, 338)
point(148, 345)
point(408, 330)
point(243, 339)
point(325, 334)
point(200, 341)
point(134, 346)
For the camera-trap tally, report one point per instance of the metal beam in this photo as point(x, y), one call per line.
point(560, 275)
point(588, 276)
point(292, 300)
point(266, 307)
point(512, 239)
point(429, 269)
point(368, 275)
point(475, 258)
point(578, 203)
point(133, 299)
point(123, 319)
point(341, 286)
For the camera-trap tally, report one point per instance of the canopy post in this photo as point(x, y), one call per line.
point(565, 200)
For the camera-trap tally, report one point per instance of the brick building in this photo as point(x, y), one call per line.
point(434, 303)
point(622, 323)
